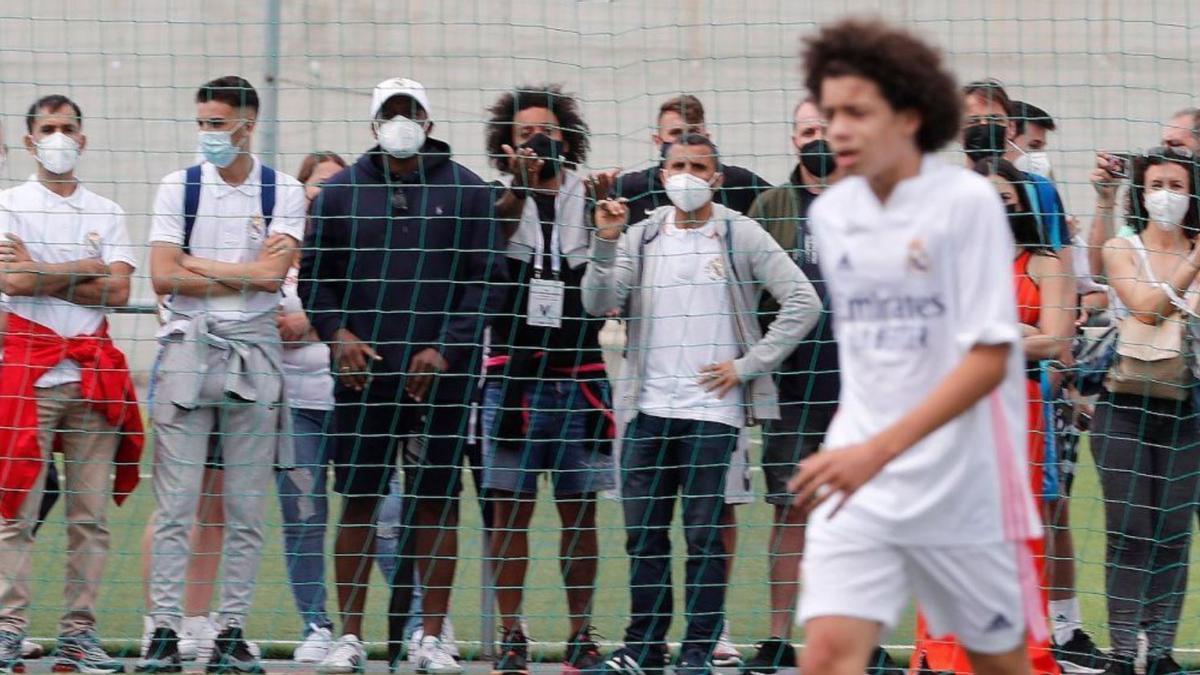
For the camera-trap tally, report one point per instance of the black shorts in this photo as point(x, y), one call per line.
point(369, 435)
point(797, 434)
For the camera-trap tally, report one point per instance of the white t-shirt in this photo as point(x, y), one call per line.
point(62, 229)
point(690, 326)
point(228, 228)
point(306, 377)
point(915, 284)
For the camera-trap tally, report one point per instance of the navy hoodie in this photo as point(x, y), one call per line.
point(405, 263)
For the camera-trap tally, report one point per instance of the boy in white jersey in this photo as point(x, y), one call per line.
point(923, 489)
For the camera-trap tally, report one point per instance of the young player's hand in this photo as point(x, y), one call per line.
point(275, 245)
point(719, 378)
point(838, 472)
point(600, 184)
point(610, 216)
point(351, 356)
point(427, 363)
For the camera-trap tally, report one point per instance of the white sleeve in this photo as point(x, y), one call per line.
point(114, 244)
point(291, 209)
point(982, 272)
point(166, 223)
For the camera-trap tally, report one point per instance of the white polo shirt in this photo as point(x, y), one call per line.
point(691, 326)
point(228, 228)
point(62, 229)
point(915, 284)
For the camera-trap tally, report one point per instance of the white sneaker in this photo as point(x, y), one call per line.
point(147, 631)
point(196, 637)
point(315, 647)
point(448, 639)
point(31, 650)
point(414, 646)
point(434, 659)
point(724, 653)
point(347, 655)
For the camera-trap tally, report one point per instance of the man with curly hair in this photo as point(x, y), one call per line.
point(546, 401)
point(923, 489)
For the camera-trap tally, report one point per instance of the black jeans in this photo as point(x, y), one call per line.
point(660, 458)
point(1147, 452)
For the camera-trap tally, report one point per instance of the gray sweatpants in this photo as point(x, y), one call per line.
point(181, 446)
point(1148, 455)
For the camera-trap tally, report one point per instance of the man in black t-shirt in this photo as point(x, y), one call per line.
point(644, 189)
point(546, 401)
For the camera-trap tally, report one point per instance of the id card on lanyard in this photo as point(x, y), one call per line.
point(545, 306)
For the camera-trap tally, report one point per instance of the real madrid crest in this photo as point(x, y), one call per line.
point(716, 269)
point(918, 257)
point(258, 228)
point(92, 244)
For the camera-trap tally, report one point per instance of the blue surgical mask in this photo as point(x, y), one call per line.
point(218, 148)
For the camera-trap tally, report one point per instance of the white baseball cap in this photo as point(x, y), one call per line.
point(399, 86)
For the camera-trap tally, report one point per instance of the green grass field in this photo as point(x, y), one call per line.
point(274, 616)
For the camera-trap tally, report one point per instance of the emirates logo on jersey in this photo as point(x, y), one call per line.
point(918, 257)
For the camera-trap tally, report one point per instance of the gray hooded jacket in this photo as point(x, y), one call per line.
point(614, 280)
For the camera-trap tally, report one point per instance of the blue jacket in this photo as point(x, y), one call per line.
point(406, 263)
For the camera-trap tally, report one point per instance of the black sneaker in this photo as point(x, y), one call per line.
point(1080, 655)
point(514, 654)
point(231, 654)
point(1163, 665)
point(771, 655)
point(583, 654)
point(694, 661)
point(1119, 667)
point(644, 660)
point(162, 655)
point(882, 663)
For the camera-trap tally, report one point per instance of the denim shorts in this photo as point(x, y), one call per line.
point(558, 439)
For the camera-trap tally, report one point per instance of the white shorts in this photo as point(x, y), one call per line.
point(976, 592)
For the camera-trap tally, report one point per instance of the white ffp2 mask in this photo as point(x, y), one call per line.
point(58, 153)
point(687, 192)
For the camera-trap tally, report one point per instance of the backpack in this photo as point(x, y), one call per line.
point(191, 200)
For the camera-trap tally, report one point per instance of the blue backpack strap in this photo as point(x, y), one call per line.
point(267, 194)
point(191, 202)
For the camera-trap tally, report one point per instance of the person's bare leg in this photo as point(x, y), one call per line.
point(838, 645)
point(206, 540)
point(437, 556)
point(1060, 563)
point(510, 553)
point(578, 556)
point(1015, 662)
point(353, 554)
point(787, 548)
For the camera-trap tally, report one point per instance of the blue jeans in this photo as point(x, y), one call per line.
point(662, 457)
point(305, 509)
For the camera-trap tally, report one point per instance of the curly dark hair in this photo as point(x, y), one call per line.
point(550, 96)
point(1135, 204)
point(909, 73)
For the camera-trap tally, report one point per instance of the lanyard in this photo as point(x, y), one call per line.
point(555, 251)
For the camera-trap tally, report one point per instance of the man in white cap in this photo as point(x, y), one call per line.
point(404, 316)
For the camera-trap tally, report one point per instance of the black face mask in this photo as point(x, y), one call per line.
point(817, 158)
point(984, 140)
point(548, 150)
